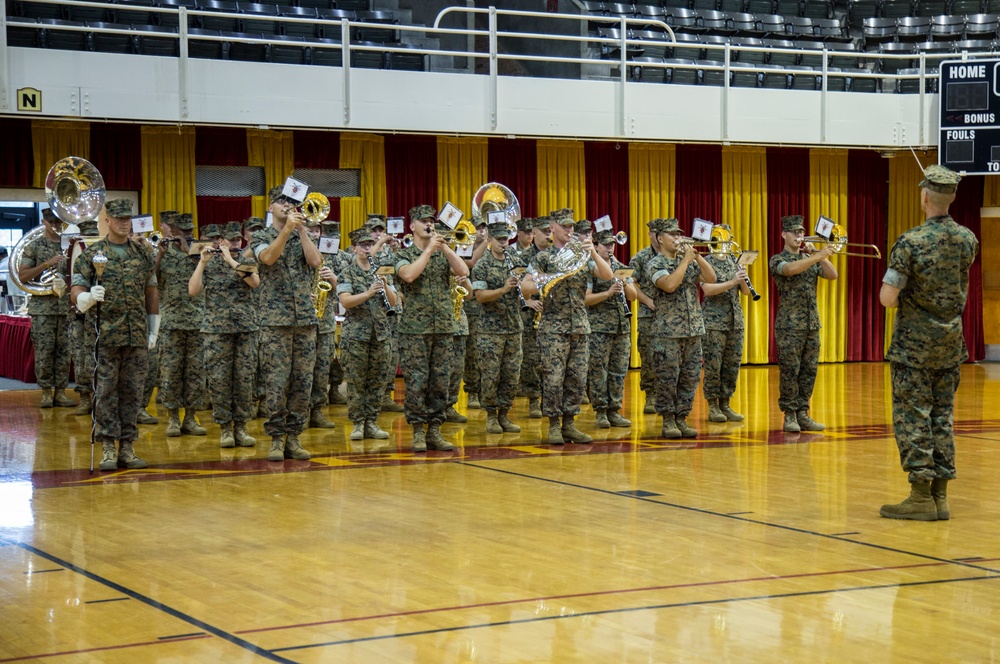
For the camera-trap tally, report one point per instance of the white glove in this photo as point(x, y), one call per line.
point(153, 321)
point(98, 293)
point(85, 301)
point(59, 286)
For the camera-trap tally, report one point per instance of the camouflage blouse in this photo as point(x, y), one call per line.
point(608, 316)
point(642, 282)
point(178, 310)
point(368, 317)
point(37, 252)
point(565, 309)
point(127, 274)
point(723, 311)
point(503, 315)
point(286, 286)
point(428, 298)
point(797, 308)
point(229, 301)
point(677, 314)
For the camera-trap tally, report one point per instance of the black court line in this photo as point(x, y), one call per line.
point(113, 599)
point(652, 607)
point(699, 510)
point(191, 620)
point(179, 636)
point(737, 513)
point(856, 532)
point(43, 571)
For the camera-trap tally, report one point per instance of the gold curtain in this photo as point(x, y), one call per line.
point(744, 208)
point(828, 196)
point(462, 165)
point(275, 152)
point(991, 192)
point(651, 196)
point(562, 177)
point(51, 141)
point(168, 171)
point(366, 152)
point(904, 210)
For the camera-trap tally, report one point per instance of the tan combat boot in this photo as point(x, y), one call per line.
point(86, 405)
point(334, 397)
point(687, 431)
point(492, 426)
point(419, 438)
point(127, 457)
point(650, 407)
point(535, 408)
point(669, 429)
point(435, 441)
point(109, 456)
point(173, 422)
point(555, 432)
point(143, 417)
point(277, 451)
point(939, 491)
point(389, 405)
point(791, 424)
point(506, 424)
point(190, 425)
point(602, 420)
point(293, 450)
point(571, 434)
point(372, 430)
point(227, 439)
point(616, 420)
point(317, 420)
point(243, 439)
point(63, 400)
point(46, 399)
point(807, 423)
point(452, 415)
point(473, 401)
point(358, 431)
point(715, 414)
point(918, 506)
point(730, 414)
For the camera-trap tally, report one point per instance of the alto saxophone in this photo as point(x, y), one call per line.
point(321, 287)
point(458, 294)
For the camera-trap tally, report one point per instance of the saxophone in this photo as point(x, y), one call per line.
point(321, 288)
point(458, 294)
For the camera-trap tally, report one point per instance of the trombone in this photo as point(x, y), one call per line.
point(838, 240)
point(463, 235)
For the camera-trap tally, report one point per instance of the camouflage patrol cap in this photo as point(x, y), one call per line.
point(792, 222)
point(360, 235)
point(525, 224)
point(49, 215)
point(499, 230)
point(941, 179)
point(605, 237)
point(330, 228)
point(658, 226)
point(542, 222)
point(375, 220)
point(168, 217)
point(88, 227)
point(562, 216)
point(422, 212)
point(184, 222)
point(275, 193)
point(119, 208)
point(583, 227)
point(254, 224)
point(232, 230)
point(210, 231)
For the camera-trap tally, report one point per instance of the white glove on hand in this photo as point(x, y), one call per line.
point(85, 301)
point(153, 321)
point(59, 286)
point(98, 293)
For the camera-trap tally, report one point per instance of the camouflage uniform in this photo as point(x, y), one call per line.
point(326, 343)
point(610, 344)
point(288, 338)
point(81, 339)
point(456, 358)
point(644, 318)
point(930, 265)
point(796, 331)
point(179, 349)
point(49, 333)
point(229, 328)
point(723, 343)
point(471, 371)
point(530, 381)
point(388, 257)
point(364, 344)
point(499, 341)
point(677, 330)
point(123, 334)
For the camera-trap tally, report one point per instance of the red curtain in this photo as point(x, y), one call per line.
point(513, 162)
point(410, 173)
point(17, 163)
point(116, 151)
point(966, 210)
point(317, 149)
point(698, 184)
point(221, 209)
point(787, 193)
point(607, 186)
point(220, 146)
point(868, 215)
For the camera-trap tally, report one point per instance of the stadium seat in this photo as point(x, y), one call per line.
point(947, 28)
point(87, 14)
point(220, 23)
point(709, 75)
point(913, 29)
point(804, 78)
point(298, 30)
point(932, 7)
point(775, 80)
point(151, 41)
point(132, 12)
point(982, 26)
point(783, 57)
point(263, 21)
point(71, 40)
point(329, 57)
point(745, 79)
point(110, 43)
point(680, 76)
point(859, 10)
point(878, 31)
point(639, 69)
point(246, 51)
point(169, 18)
point(288, 54)
point(24, 37)
point(381, 35)
point(749, 57)
point(742, 24)
point(715, 54)
point(896, 8)
point(405, 61)
point(711, 21)
point(211, 50)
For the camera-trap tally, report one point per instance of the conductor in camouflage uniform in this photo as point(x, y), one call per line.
point(564, 327)
point(326, 332)
point(49, 333)
point(678, 325)
point(287, 260)
point(364, 337)
point(426, 327)
point(531, 386)
point(499, 340)
point(644, 292)
point(180, 348)
point(928, 280)
point(81, 338)
point(610, 337)
point(225, 279)
point(723, 342)
point(796, 324)
point(129, 323)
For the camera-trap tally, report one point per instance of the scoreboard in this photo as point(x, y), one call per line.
point(970, 116)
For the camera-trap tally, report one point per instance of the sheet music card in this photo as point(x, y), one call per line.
point(329, 244)
point(824, 226)
point(394, 226)
point(450, 216)
point(143, 224)
point(701, 229)
point(747, 257)
point(602, 224)
point(499, 217)
point(295, 189)
point(464, 252)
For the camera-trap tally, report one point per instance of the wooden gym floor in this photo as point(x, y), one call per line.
point(745, 544)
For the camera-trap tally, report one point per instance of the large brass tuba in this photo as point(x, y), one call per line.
point(495, 197)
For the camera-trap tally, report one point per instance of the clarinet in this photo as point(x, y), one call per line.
point(510, 270)
point(623, 301)
point(754, 295)
point(389, 310)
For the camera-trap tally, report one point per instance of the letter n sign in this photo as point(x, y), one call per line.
point(29, 100)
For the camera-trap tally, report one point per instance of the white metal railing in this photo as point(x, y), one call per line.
point(577, 24)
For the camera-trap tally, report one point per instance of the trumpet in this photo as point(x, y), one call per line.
point(407, 241)
point(838, 240)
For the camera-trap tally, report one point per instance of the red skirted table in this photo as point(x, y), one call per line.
point(17, 353)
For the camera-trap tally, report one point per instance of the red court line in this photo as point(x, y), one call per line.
point(102, 648)
point(623, 591)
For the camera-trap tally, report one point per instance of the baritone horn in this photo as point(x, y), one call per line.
point(838, 240)
point(463, 235)
point(315, 208)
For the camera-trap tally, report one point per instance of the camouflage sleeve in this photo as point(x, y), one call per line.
point(83, 275)
point(898, 273)
point(28, 256)
point(259, 242)
point(478, 276)
point(777, 266)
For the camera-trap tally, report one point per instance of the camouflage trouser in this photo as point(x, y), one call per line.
point(530, 382)
point(121, 372)
point(456, 366)
point(182, 355)
point(563, 372)
point(230, 367)
point(646, 381)
point(260, 389)
point(337, 366)
point(394, 359)
point(81, 339)
point(472, 371)
point(289, 357)
point(723, 350)
point(676, 370)
point(500, 367)
point(923, 402)
point(152, 377)
point(798, 354)
point(426, 374)
point(366, 364)
point(608, 367)
point(50, 337)
point(325, 348)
